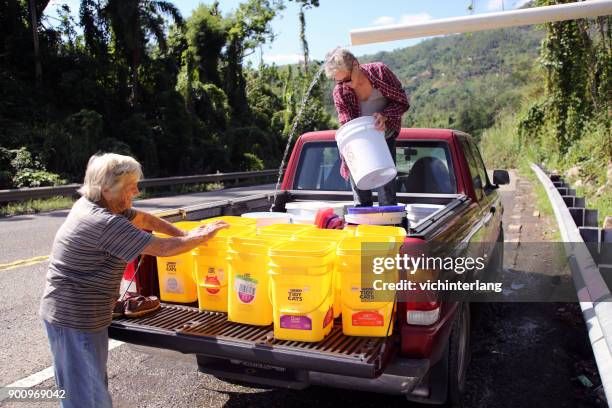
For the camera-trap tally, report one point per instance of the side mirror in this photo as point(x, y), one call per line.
point(501, 177)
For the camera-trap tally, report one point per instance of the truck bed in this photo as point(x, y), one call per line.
point(188, 330)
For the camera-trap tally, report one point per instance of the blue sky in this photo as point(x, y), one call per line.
point(328, 25)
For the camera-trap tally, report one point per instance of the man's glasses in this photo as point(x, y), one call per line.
point(349, 78)
point(345, 80)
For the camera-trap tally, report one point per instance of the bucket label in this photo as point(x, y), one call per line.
point(215, 272)
point(212, 281)
point(171, 267)
point(329, 317)
point(246, 288)
point(368, 318)
point(366, 294)
point(173, 286)
point(295, 295)
point(295, 322)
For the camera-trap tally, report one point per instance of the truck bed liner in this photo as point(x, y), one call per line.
point(189, 330)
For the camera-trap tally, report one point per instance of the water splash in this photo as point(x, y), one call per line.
point(296, 121)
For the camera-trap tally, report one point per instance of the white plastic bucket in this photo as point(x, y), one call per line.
point(394, 218)
point(268, 218)
point(366, 153)
point(310, 208)
point(418, 212)
point(302, 219)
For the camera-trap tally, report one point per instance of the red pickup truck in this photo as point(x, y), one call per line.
point(426, 357)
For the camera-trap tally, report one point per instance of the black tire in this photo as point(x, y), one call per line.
point(458, 356)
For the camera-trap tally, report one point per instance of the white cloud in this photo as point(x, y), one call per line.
point(384, 20)
point(495, 4)
point(283, 58)
point(404, 19)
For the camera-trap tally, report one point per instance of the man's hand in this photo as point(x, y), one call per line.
point(207, 231)
point(379, 121)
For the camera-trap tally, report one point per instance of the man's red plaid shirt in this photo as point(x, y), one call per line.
point(381, 78)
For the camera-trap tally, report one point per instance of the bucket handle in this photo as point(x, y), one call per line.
point(329, 293)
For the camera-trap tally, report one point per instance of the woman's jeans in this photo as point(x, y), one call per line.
point(386, 194)
point(79, 361)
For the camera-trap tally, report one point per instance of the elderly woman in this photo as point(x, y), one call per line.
point(368, 90)
point(100, 235)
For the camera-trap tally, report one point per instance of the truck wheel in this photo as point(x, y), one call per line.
point(458, 356)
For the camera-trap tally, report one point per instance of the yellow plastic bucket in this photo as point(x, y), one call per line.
point(284, 230)
point(398, 233)
point(248, 299)
point(211, 267)
point(301, 290)
point(365, 312)
point(175, 273)
point(334, 236)
point(231, 219)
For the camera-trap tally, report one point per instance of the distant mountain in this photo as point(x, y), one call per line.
point(463, 81)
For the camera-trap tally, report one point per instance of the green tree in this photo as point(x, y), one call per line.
point(132, 23)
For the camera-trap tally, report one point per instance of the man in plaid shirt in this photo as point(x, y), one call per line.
point(362, 90)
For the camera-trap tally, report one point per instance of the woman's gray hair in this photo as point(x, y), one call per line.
point(338, 60)
point(106, 171)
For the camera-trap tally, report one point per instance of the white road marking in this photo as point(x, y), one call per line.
point(43, 375)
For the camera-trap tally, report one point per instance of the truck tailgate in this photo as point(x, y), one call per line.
point(189, 330)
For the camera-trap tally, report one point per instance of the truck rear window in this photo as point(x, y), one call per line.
point(423, 167)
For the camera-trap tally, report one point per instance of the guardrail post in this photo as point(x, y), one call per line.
point(591, 217)
point(577, 215)
point(579, 202)
point(569, 200)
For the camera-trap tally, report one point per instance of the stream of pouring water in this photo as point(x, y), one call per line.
point(295, 123)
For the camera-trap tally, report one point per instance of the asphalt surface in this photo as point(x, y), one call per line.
point(140, 377)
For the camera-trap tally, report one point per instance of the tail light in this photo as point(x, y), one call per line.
point(422, 313)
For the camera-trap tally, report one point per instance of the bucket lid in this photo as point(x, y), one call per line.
point(378, 209)
point(222, 237)
point(252, 243)
point(324, 234)
point(359, 245)
point(284, 229)
point(301, 249)
point(368, 230)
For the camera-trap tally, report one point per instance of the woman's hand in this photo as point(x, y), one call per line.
point(207, 231)
point(379, 121)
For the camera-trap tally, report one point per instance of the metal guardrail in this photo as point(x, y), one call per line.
point(592, 290)
point(22, 194)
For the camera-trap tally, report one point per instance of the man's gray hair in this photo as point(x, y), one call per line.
point(107, 171)
point(338, 60)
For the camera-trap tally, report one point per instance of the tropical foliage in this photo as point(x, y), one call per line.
point(136, 77)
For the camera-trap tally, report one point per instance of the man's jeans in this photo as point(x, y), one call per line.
point(79, 361)
point(386, 194)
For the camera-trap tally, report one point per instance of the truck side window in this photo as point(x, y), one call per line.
point(424, 167)
point(482, 170)
point(477, 180)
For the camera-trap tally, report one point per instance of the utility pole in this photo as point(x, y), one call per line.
point(34, 23)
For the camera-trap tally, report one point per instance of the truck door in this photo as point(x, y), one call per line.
point(479, 235)
point(491, 203)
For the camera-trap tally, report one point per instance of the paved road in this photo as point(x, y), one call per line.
point(150, 378)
